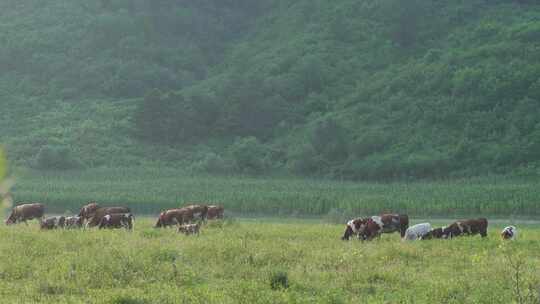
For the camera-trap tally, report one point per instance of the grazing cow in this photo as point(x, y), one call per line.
point(509, 233)
point(215, 212)
point(199, 211)
point(88, 210)
point(174, 217)
point(102, 211)
point(466, 227)
point(73, 222)
point(189, 229)
point(54, 222)
point(24, 212)
point(368, 228)
point(117, 220)
point(417, 232)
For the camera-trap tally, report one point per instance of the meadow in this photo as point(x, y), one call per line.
point(248, 261)
point(149, 190)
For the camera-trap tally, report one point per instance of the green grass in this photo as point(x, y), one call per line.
point(234, 263)
point(147, 191)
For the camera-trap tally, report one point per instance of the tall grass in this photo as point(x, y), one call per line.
point(147, 191)
point(252, 262)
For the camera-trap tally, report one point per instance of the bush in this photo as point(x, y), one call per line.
point(213, 163)
point(250, 155)
point(279, 280)
point(56, 157)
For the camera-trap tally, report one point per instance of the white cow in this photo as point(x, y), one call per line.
point(509, 233)
point(417, 231)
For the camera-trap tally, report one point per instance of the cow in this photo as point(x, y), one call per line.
point(88, 211)
point(199, 211)
point(174, 217)
point(509, 233)
point(54, 222)
point(102, 211)
point(215, 212)
point(117, 220)
point(417, 232)
point(189, 229)
point(466, 227)
point(73, 222)
point(25, 212)
point(368, 228)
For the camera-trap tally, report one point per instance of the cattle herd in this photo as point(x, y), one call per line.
point(188, 221)
point(368, 228)
point(92, 215)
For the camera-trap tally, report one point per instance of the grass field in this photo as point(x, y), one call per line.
point(147, 191)
point(234, 262)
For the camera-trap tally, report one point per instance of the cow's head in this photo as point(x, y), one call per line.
point(348, 233)
point(127, 219)
point(160, 222)
point(11, 219)
point(353, 227)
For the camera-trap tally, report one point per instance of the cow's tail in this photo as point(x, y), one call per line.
point(403, 224)
point(132, 221)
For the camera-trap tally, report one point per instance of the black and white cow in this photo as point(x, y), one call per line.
point(509, 233)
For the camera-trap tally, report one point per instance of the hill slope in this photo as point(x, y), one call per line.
point(355, 89)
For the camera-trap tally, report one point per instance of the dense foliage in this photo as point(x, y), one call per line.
point(372, 89)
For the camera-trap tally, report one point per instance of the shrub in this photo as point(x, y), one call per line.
point(250, 155)
point(213, 163)
point(279, 280)
point(56, 157)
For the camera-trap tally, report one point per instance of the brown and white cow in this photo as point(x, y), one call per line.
point(215, 212)
point(88, 211)
point(102, 211)
point(370, 227)
point(25, 212)
point(460, 228)
point(177, 216)
point(466, 227)
point(197, 210)
point(117, 220)
point(73, 222)
point(189, 229)
point(54, 222)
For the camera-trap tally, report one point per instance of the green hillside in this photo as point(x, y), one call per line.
point(370, 89)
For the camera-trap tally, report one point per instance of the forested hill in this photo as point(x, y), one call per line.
point(360, 89)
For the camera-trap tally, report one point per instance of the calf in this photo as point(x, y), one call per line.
point(417, 232)
point(73, 222)
point(117, 220)
point(24, 212)
point(466, 227)
point(215, 212)
point(189, 229)
point(174, 217)
point(368, 228)
point(54, 222)
point(509, 233)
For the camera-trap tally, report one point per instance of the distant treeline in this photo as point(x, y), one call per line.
point(375, 89)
